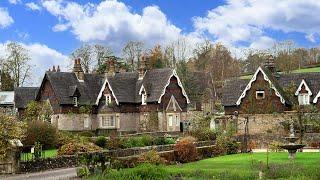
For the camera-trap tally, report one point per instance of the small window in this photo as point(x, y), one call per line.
point(177, 120)
point(86, 123)
point(75, 101)
point(108, 121)
point(108, 99)
point(304, 99)
point(260, 95)
point(144, 99)
point(170, 120)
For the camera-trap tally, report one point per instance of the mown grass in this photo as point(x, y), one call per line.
point(46, 154)
point(239, 166)
point(305, 70)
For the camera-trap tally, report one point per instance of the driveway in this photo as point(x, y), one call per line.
point(69, 173)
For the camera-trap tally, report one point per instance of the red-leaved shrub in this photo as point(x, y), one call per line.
point(185, 150)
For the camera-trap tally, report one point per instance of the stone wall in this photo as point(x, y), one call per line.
point(72, 122)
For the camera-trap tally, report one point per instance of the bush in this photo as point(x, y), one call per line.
point(203, 134)
point(83, 172)
point(86, 134)
point(141, 172)
point(101, 141)
point(73, 148)
point(151, 157)
point(43, 132)
point(169, 141)
point(64, 138)
point(185, 150)
point(226, 144)
point(275, 146)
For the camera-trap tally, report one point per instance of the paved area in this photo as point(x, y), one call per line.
point(304, 150)
point(59, 174)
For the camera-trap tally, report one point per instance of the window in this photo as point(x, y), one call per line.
point(144, 99)
point(75, 101)
point(108, 121)
point(86, 123)
point(260, 95)
point(170, 120)
point(177, 120)
point(108, 99)
point(304, 99)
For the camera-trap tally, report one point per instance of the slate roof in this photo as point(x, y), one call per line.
point(23, 95)
point(126, 86)
point(234, 88)
point(6, 98)
point(65, 85)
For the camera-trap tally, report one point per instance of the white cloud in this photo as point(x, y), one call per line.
point(248, 20)
point(14, 1)
point(33, 6)
point(42, 58)
point(112, 22)
point(5, 19)
point(311, 37)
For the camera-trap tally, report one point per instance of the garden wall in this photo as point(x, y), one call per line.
point(125, 155)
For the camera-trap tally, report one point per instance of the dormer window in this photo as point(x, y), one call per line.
point(304, 99)
point(75, 101)
point(260, 95)
point(108, 99)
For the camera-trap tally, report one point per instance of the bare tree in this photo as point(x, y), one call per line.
point(101, 52)
point(17, 63)
point(132, 51)
point(84, 52)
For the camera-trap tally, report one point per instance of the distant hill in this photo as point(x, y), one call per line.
point(305, 70)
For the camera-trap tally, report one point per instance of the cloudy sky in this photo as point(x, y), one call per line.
point(52, 29)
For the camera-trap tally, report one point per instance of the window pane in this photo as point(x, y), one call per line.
point(170, 120)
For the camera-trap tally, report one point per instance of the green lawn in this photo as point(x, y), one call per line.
point(239, 166)
point(306, 70)
point(46, 154)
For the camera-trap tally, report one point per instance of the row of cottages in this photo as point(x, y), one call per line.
point(270, 97)
point(121, 101)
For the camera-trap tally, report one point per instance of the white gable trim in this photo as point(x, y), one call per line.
point(254, 78)
point(142, 89)
point(102, 89)
point(175, 104)
point(303, 82)
point(174, 73)
point(315, 100)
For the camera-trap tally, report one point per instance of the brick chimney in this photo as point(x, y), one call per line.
point(142, 66)
point(58, 69)
point(111, 69)
point(269, 64)
point(77, 69)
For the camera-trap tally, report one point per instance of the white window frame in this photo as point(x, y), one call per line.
point(86, 123)
point(304, 99)
point(108, 99)
point(263, 95)
point(170, 121)
point(177, 117)
point(104, 121)
point(144, 99)
point(75, 101)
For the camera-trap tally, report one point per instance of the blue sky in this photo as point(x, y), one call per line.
point(52, 29)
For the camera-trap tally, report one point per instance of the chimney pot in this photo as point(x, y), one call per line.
point(58, 69)
point(53, 69)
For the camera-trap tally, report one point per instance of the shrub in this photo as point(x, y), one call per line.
point(275, 146)
point(101, 141)
point(43, 132)
point(203, 134)
point(147, 140)
point(73, 148)
point(141, 172)
point(64, 138)
point(86, 134)
point(169, 141)
point(114, 142)
point(83, 172)
point(151, 157)
point(226, 144)
point(185, 150)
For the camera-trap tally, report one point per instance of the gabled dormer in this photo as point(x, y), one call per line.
point(143, 94)
point(303, 93)
point(74, 93)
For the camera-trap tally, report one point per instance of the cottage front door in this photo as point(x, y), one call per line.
point(173, 121)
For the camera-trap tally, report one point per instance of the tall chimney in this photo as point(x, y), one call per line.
point(58, 69)
point(111, 70)
point(269, 64)
point(142, 67)
point(54, 69)
point(77, 69)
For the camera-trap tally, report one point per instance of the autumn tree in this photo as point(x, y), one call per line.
point(284, 56)
point(11, 129)
point(156, 59)
point(17, 64)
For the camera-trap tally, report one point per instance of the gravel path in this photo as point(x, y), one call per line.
point(60, 174)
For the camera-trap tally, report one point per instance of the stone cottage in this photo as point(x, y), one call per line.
point(115, 101)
